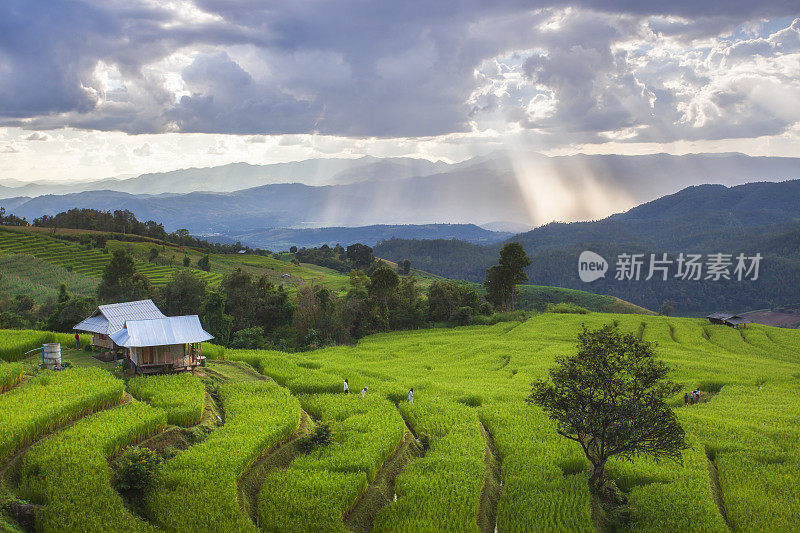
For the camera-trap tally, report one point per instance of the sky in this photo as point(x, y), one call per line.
point(92, 89)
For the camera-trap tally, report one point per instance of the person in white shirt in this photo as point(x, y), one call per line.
point(346, 387)
point(411, 395)
point(363, 392)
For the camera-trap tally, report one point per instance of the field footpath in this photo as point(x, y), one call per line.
point(380, 492)
point(492, 484)
point(279, 456)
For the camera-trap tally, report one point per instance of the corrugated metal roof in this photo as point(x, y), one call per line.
point(161, 332)
point(111, 317)
point(95, 323)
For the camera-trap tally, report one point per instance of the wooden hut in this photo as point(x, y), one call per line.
point(108, 319)
point(162, 344)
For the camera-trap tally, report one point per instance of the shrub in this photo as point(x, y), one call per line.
point(137, 469)
point(566, 307)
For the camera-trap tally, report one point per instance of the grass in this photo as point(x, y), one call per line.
point(68, 473)
point(197, 490)
point(317, 489)
point(86, 261)
point(15, 343)
point(465, 379)
point(50, 400)
point(182, 396)
point(10, 375)
point(24, 274)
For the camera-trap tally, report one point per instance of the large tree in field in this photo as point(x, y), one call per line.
point(611, 399)
point(502, 278)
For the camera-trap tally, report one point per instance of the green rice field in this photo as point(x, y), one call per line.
point(468, 455)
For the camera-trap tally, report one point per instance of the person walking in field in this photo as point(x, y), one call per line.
point(685, 399)
point(77, 342)
point(411, 395)
point(346, 387)
point(364, 391)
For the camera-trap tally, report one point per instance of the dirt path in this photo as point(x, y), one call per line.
point(716, 490)
point(492, 485)
point(381, 491)
point(279, 456)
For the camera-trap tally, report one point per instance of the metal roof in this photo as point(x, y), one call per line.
point(161, 332)
point(720, 316)
point(111, 317)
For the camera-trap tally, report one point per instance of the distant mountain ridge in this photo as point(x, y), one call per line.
point(521, 189)
point(283, 238)
point(238, 176)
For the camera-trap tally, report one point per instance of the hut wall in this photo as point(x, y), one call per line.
point(102, 341)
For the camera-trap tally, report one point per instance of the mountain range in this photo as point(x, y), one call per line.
point(761, 218)
point(503, 190)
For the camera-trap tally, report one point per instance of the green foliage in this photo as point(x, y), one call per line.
point(452, 470)
point(183, 294)
point(121, 282)
point(258, 415)
point(611, 399)
point(14, 343)
point(566, 307)
point(321, 436)
point(68, 472)
point(204, 263)
point(503, 277)
point(24, 274)
point(137, 468)
point(10, 375)
point(75, 265)
point(53, 399)
point(317, 489)
point(182, 395)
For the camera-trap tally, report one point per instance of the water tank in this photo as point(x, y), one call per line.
point(51, 355)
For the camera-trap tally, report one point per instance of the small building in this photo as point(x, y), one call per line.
point(162, 344)
point(725, 319)
point(108, 319)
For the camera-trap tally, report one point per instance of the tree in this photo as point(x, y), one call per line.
point(204, 263)
point(666, 308)
point(121, 282)
point(293, 249)
point(183, 295)
point(186, 261)
point(502, 278)
point(214, 319)
point(70, 312)
point(405, 267)
point(360, 255)
point(153, 254)
point(611, 399)
point(63, 295)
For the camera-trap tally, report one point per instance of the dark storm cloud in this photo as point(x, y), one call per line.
point(349, 67)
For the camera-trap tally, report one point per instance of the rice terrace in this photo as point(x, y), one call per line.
point(347, 266)
point(468, 455)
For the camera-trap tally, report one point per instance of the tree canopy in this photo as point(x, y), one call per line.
point(611, 398)
point(504, 276)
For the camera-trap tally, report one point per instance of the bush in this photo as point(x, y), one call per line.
point(321, 436)
point(566, 307)
point(137, 469)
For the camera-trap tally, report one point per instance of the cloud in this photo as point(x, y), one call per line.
point(599, 69)
point(9, 149)
point(143, 151)
point(220, 148)
point(37, 136)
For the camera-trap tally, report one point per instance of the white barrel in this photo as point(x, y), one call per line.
point(51, 355)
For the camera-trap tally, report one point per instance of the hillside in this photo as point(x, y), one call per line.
point(489, 458)
point(284, 238)
point(752, 218)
